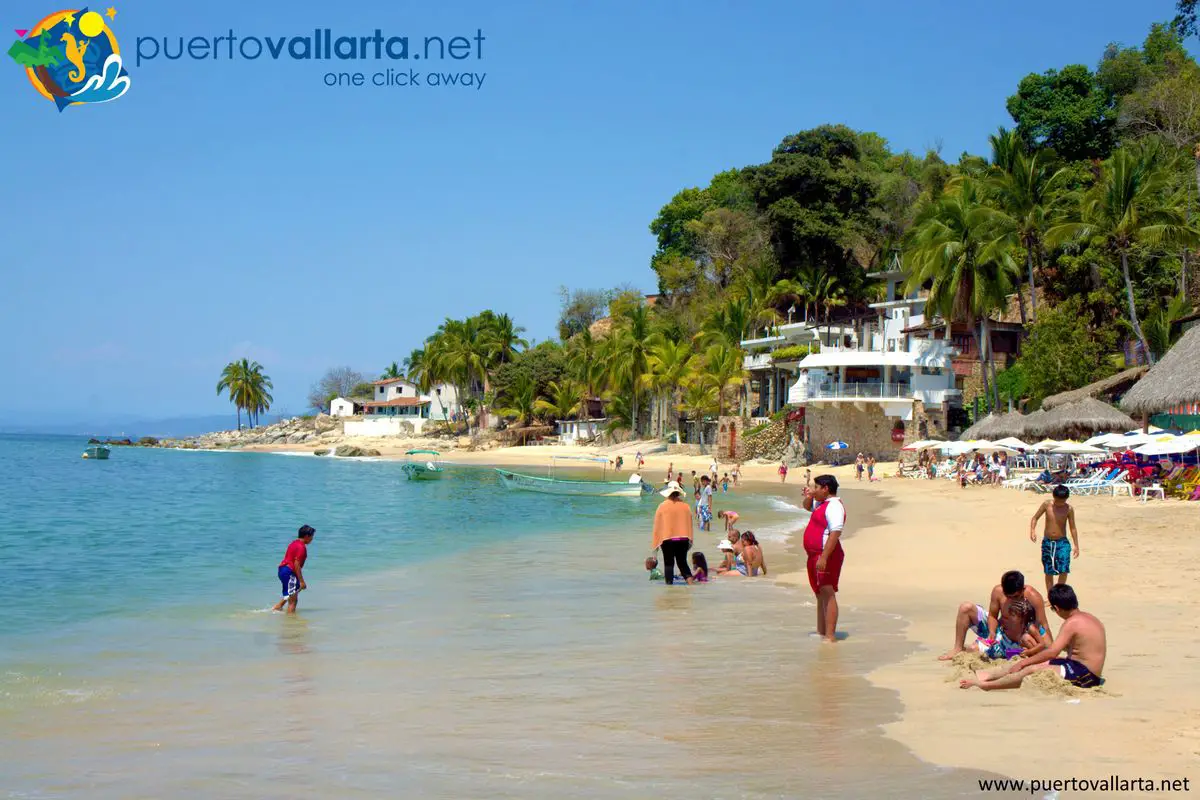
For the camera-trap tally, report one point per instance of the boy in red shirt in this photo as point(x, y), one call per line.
point(291, 569)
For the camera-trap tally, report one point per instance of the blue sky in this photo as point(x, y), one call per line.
point(226, 209)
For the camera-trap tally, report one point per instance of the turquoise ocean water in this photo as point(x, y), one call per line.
point(457, 640)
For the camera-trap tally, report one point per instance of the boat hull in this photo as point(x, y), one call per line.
point(421, 472)
point(96, 453)
point(532, 483)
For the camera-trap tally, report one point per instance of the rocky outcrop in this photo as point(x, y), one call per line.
point(297, 430)
point(350, 451)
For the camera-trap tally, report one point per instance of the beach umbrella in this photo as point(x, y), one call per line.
point(836, 446)
point(1075, 448)
point(1046, 444)
point(1012, 442)
point(1169, 446)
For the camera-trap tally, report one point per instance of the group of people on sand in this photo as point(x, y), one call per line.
point(1015, 625)
point(865, 463)
point(742, 555)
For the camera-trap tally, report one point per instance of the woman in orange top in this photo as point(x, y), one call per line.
point(673, 533)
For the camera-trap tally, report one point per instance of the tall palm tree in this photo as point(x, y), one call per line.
point(1026, 189)
point(699, 399)
point(958, 247)
point(417, 370)
point(627, 355)
point(722, 369)
point(670, 362)
point(1130, 206)
point(502, 338)
point(584, 363)
point(393, 371)
point(522, 402)
point(233, 381)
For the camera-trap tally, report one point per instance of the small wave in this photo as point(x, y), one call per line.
point(779, 504)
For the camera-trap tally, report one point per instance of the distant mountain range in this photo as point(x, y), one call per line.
point(135, 428)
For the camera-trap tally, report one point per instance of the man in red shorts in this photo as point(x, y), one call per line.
point(822, 543)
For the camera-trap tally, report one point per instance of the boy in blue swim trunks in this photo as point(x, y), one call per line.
point(1056, 550)
point(291, 569)
point(1082, 636)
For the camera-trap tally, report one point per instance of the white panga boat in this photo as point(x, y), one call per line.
point(422, 470)
point(549, 484)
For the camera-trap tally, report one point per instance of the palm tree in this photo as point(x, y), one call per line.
point(1130, 206)
point(417, 370)
point(523, 401)
point(393, 371)
point(564, 403)
point(247, 387)
point(1026, 188)
point(670, 362)
point(959, 249)
point(584, 364)
point(627, 355)
point(502, 338)
point(1160, 321)
point(233, 381)
point(722, 369)
point(699, 399)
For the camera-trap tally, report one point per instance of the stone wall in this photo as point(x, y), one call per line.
point(736, 426)
point(867, 431)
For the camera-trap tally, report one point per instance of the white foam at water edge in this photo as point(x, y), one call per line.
point(780, 534)
point(779, 504)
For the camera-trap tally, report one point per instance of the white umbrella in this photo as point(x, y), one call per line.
point(1103, 439)
point(1169, 446)
point(917, 445)
point(1046, 444)
point(1012, 442)
point(1076, 448)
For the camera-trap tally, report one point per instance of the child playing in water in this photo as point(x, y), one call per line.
point(699, 568)
point(652, 568)
point(725, 483)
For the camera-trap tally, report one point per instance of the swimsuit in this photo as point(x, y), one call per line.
point(1056, 556)
point(291, 585)
point(1076, 674)
point(814, 545)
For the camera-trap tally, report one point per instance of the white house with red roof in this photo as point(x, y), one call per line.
point(397, 401)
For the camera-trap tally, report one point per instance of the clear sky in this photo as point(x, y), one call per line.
point(226, 209)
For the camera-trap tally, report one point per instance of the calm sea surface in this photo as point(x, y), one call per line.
point(457, 640)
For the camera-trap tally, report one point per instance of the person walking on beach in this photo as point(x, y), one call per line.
point(822, 543)
point(859, 463)
point(1056, 550)
point(704, 504)
point(782, 471)
point(291, 569)
point(673, 533)
point(1082, 636)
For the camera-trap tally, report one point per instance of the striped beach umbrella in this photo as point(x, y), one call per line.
point(836, 446)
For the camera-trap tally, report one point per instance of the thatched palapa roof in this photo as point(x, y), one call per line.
point(1111, 384)
point(1170, 382)
point(1089, 414)
point(1011, 424)
point(975, 431)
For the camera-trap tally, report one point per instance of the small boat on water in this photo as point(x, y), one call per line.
point(98, 452)
point(422, 470)
point(634, 487)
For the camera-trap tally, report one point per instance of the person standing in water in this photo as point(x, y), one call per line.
point(673, 533)
point(822, 543)
point(1056, 550)
point(291, 569)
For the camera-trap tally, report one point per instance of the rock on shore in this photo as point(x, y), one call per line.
point(321, 429)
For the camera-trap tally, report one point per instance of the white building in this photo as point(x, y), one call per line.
point(341, 407)
point(399, 406)
point(571, 431)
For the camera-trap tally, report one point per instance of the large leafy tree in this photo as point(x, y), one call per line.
point(1062, 352)
point(1067, 111)
point(336, 382)
point(1131, 207)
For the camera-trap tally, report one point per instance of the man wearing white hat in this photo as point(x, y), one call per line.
point(673, 533)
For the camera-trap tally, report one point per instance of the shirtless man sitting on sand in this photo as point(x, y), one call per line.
point(1082, 636)
point(1000, 618)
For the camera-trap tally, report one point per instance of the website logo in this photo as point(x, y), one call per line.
point(72, 57)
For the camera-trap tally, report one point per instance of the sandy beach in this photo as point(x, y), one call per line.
point(923, 547)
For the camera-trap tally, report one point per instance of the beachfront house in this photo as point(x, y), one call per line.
point(345, 407)
point(399, 407)
point(572, 431)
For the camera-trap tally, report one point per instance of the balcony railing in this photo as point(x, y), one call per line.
point(860, 391)
point(758, 361)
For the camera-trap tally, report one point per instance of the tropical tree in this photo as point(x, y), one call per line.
point(248, 388)
point(722, 369)
point(670, 363)
point(1159, 324)
point(393, 371)
point(957, 247)
point(417, 370)
point(501, 338)
point(586, 368)
point(1025, 188)
point(522, 404)
point(626, 354)
point(564, 403)
point(1131, 206)
point(699, 399)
